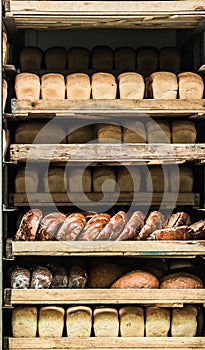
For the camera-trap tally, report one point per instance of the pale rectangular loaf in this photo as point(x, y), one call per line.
point(54, 180)
point(27, 86)
point(134, 132)
point(79, 321)
point(51, 322)
point(4, 93)
point(157, 179)
point(109, 133)
point(78, 86)
point(157, 322)
point(24, 322)
point(181, 179)
point(26, 180)
point(103, 86)
point(183, 131)
point(129, 179)
point(184, 321)
point(106, 322)
point(5, 48)
point(79, 179)
point(158, 132)
point(163, 86)
point(83, 134)
point(131, 86)
point(104, 179)
point(52, 86)
point(131, 321)
point(191, 86)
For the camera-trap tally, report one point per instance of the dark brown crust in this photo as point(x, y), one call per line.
point(29, 225)
point(177, 219)
point(41, 278)
point(132, 227)
point(168, 234)
point(49, 226)
point(93, 227)
point(198, 230)
point(181, 280)
point(60, 277)
point(113, 228)
point(154, 222)
point(136, 279)
point(71, 227)
point(77, 277)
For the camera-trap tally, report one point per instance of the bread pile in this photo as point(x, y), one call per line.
point(127, 321)
point(102, 227)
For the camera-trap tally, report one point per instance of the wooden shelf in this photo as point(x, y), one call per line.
point(105, 14)
point(168, 297)
point(96, 109)
point(140, 343)
point(166, 200)
point(93, 248)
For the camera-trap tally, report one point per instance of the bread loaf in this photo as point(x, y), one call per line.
point(134, 132)
point(59, 277)
point(39, 132)
point(181, 179)
point(24, 322)
point(52, 86)
point(154, 222)
point(54, 180)
point(84, 134)
point(103, 86)
point(129, 180)
point(26, 180)
point(198, 230)
point(20, 278)
point(29, 225)
point(157, 179)
point(78, 58)
point(41, 278)
point(31, 58)
point(169, 59)
point(5, 48)
point(181, 280)
point(100, 177)
point(132, 227)
point(102, 57)
point(105, 322)
point(125, 58)
point(131, 321)
point(79, 321)
point(50, 225)
point(113, 228)
point(5, 138)
point(77, 277)
point(184, 321)
point(105, 274)
point(157, 321)
point(135, 280)
point(79, 180)
point(131, 86)
point(4, 93)
point(109, 133)
point(55, 58)
point(147, 60)
point(78, 86)
point(158, 132)
point(191, 86)
point(177, 219)
point(163, 86)
point(167, 234)
point(51, 322)
point(93, 227)
point(183, 131)
point(71, 228)
point(27, 86)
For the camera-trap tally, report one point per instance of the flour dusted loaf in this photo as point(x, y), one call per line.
point(136, 279)
point(131, 86)
point(78, 86)
point(20, 278)
point(105, 322)
point(181, 179)
point(55, 58)
point(169, 60)
point(27, 86)
point(24, 322)
point(31, 58)
point(54, 181)
point(191, 86)
point(109, 133)
point(181, 280)
point(147, 60)
point(131, 321)
point(105, 274)
point(184, 321)
point(158, 132)
point(52, 86)
point(41, 278)
point(5, 138)
point(79, 321)
point(51, 321)
point(125, 58)
point(78, 58)
point(157, 179)
point(157, 322)
point(79, 179)
point(102, 57)
point(5, 48)
point(129, 180)
point(26, 180)
point(39, 132)
point(4, 93)
point(134, 132)
point(183, 131)
point(83, 134)
point(163, 86)
point(77, 277)
point(103, 86)
point(101, 175)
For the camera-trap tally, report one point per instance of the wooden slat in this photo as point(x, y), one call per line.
point(107, 108)
point(103, 296)
point(147, 248)
point(170, 200)
point(139, 343)
point(156, 153)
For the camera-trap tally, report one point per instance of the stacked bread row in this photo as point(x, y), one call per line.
point(133, 179)
point(91, 226)
point(135, 131)
point(82, 321)
point(79, 86)
point(145, 60)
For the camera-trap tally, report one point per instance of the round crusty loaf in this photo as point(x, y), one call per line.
point(136, 279)
point(103, 275)
point(20, 278)
point(181, 280)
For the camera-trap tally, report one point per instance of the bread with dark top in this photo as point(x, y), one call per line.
point(29, 225)
point(136, 279)
point(181, 280)
point(41, 278)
